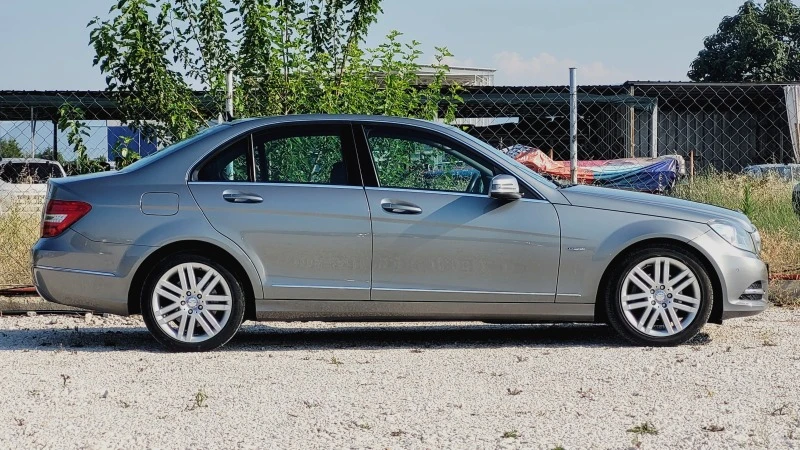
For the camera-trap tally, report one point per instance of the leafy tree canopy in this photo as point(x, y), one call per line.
point(288, 56)
point(761, 43)
point(9, 148)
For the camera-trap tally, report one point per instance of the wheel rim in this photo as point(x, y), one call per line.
point(660, 297)
point(192, 302)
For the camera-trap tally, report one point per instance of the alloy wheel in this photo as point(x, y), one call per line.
point(192, 302)
point(660, 297)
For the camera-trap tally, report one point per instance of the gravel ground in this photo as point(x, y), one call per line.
point(102, 382)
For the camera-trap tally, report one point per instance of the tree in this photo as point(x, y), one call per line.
point(9, 148)
point(69, 120)
point(289, 57)
point(758, 44)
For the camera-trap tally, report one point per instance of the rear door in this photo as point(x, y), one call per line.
point(292, 198)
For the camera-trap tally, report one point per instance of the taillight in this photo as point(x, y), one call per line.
point(61, 214)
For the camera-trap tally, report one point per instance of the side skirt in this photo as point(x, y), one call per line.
point(366, 311)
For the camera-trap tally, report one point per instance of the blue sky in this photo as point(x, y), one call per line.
point(527, 41)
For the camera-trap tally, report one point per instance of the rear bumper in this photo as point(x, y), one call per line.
point(72, 270)
point(82, 289)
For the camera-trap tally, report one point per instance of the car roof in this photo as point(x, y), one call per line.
point(300, 118)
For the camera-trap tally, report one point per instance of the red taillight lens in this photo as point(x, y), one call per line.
point(60, 215)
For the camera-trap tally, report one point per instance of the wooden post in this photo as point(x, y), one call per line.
point(691, 166)
point(551, 153)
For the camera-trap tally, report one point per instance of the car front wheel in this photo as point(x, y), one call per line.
point(659, 296)
point(191, 303)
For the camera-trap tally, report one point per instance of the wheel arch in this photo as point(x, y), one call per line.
point(202, 248)
point(711, 270)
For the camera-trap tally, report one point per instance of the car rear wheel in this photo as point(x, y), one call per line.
point(191, 303)
point(659, 296)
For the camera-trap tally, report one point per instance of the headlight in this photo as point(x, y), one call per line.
point(734, 234)
point(757, 241)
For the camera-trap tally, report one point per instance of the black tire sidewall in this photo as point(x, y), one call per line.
point(616, 316)
point(228, 330)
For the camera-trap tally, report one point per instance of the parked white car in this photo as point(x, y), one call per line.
point(23, 183)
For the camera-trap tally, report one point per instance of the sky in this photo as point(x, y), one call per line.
point(529, 42)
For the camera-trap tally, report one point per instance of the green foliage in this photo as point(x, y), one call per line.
point(123, 155)
point(758, 44)
point(69, 120)
point(289, 57)
point(748, 205)
point(9, 148)
point(766, 201)
point(132, 51)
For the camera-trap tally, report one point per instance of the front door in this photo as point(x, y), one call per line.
point(292, 198)
point(437, 236)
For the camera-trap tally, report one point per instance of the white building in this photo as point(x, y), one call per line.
point(465, 76)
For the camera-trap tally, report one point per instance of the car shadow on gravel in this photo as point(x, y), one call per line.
point(262, 337)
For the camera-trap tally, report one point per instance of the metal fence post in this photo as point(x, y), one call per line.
point(654, 132)
point(55, 140)
point(33, 134)
point(229, 95)
point(573, 125)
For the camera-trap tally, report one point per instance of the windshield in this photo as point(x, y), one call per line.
point(511, 161)
point(175, 147)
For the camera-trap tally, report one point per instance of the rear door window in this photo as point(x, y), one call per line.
point(321, 154)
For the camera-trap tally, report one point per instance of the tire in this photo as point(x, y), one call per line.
point(678, 304)
point(202, 316)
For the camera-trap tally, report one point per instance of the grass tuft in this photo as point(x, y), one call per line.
point(644, 428)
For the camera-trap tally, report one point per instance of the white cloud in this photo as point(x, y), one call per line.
point(546, 69)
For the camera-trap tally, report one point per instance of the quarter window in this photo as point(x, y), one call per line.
point(231, 164)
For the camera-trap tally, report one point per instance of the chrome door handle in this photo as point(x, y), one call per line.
point(230, 195)
point(399, 207)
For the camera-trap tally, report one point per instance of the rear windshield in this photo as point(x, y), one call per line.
point(154, 157)
point(28, 173)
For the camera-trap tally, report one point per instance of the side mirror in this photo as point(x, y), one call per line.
point(504, 187)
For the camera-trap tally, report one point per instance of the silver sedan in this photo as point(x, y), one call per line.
point(370, 218)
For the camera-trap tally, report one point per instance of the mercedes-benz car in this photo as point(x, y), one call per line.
point(372, 218)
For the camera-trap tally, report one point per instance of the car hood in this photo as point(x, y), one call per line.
point(651, 205)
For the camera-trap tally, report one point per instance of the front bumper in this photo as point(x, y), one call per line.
point(743, 277)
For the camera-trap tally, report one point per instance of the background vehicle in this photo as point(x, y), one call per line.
point(339, 218)
point(23, 183)
point(787, 172)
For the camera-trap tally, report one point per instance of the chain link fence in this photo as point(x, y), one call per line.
point(733, 145)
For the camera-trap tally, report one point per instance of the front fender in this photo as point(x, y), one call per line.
point(592, 238)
